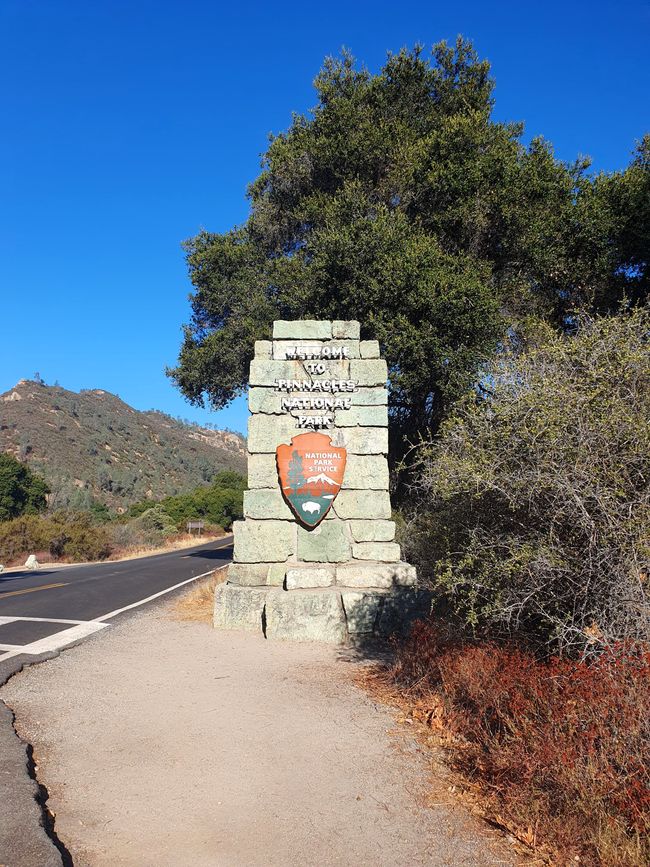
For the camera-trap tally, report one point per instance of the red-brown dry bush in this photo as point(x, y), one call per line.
point(561, 748)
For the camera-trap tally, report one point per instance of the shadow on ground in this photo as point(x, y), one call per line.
point(26, 573)
point(214, 554)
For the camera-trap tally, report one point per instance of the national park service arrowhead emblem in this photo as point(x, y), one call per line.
point(311, 474)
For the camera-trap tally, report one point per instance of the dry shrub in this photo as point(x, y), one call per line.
point(65, 535)
point(534, 504)
point(197, 603)
point(559, 749)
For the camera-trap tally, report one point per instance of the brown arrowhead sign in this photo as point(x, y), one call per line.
point(311, 474)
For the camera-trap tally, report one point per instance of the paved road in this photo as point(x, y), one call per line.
point(42, 611)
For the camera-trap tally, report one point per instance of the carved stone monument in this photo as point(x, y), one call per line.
point(315, 556)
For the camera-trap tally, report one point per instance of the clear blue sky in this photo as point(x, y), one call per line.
point(125, 127)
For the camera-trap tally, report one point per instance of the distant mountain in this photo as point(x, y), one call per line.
point(93, 446)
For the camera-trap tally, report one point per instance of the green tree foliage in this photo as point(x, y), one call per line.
point(399, 202)
point(219, 503)
point(151, 528)
point(21, 490)
point(535, 502)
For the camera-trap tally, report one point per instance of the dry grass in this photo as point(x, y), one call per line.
point(197, 603)
point(555, 751)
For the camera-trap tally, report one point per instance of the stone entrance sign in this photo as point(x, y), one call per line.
point(315, 556)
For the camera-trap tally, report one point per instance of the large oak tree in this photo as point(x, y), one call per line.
point(400, 202)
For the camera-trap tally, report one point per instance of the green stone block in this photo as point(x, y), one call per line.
point(361, 505)
point(372, 531)
point(365, 416)
point(350, 329)
point(302, 329)
point(266, 503)
point(262, 471)
point(263, 541)
point(327, 543)
point(366, 472)
point(369, 371)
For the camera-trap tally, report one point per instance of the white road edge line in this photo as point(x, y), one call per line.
point(5, 620)
point(155, 595)
point(76, 632)
point(57, 640)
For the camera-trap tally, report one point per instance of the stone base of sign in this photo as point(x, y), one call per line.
point(343, 578)
point(333, 614)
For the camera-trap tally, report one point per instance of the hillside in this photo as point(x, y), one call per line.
point(91, 445)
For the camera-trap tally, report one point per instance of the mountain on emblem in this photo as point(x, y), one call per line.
point(311, 474)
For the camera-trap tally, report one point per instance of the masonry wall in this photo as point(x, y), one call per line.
point(332, 580)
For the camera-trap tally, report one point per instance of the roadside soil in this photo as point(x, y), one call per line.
point(166, 743)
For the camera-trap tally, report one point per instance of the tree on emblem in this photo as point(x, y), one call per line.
point(295, 475)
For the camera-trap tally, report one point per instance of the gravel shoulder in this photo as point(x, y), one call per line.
point(167, 743)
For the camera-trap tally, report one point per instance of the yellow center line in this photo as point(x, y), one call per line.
point(32, 590)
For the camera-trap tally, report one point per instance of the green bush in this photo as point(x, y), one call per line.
point(62, 534)
point(149, 529)
point(220, 503)
point(84, 540)
point(21, 490)
point(534, 505)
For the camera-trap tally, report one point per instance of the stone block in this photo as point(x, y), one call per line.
point(264, 400)
point(361, 610)
point(276, 574)
point(377, 396)
point(305, 616)
point(302, 329)
point(372, 531)
point(262, 471)
point(327, 543)
point(366, 472)
point(359, 505)
point(257, 574)
point(266, 503)
point(248, 574)
point(366, 416)
point(381, 575)
point(369, 349)
point(238, 607)
point(401, 608)
point(263, 541)
point(315, 348)
point(266, 432)
point(263, 348)
point(304, 577)
point(376, 575)
point(264, 371)
point(385, 552)
point(369, 371)
point(406, 575)
point(341, 328)
point(362, 440)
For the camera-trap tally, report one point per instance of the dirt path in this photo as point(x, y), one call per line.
point(168, 744)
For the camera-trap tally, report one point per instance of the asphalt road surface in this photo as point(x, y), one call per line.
point(43, 611)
